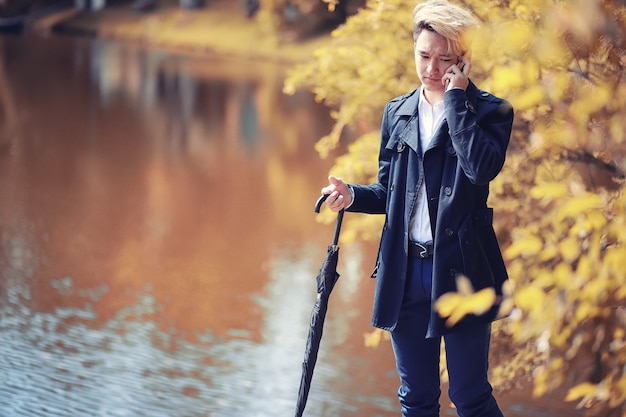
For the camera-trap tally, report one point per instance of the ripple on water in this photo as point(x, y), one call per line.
point(59, 364)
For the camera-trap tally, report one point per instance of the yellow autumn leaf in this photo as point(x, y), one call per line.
point(529, 97)
point(597, 219)
point(507, 76)
point(588, 225)
point(563, 274)
point(454, 305)
point(447, 303)
point(578, 205)
point(583, 390)
point(529, 297)
point(585, 268)
point(615, 259)
point(525, 246)
point(506, 307)
point(596, 96)
point(570, 249)
point(516, 35)
point(596, 290)
point(481, 301)
point(551, 190)
point(373, 338)
point(332, 4)
point(585, 311)
point(547, 253)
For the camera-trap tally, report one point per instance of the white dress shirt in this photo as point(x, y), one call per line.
point(429, 119)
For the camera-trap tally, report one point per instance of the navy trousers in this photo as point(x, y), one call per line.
point(417, 358)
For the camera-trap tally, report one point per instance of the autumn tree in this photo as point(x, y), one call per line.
point(560, 202)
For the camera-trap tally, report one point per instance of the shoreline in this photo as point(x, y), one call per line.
point(219, 29)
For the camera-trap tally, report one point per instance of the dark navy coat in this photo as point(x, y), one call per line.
point(464, 155)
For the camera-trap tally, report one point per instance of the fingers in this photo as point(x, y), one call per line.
point(336, 201)
point(456, 75)
point(466, 65)
point(338, 194)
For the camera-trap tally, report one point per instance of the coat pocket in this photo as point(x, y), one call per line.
point(475, 230)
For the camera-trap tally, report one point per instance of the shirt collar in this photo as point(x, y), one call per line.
point(425, 105)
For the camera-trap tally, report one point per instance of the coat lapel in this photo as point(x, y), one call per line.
point(408, 108)
point(441, 137)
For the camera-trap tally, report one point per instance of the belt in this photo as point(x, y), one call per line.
point(420, 250)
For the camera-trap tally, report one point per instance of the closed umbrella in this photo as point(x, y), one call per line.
point(326, 279)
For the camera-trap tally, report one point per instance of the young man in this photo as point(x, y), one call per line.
point(441, 145)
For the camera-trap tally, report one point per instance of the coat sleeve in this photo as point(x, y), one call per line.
point(480, 133)
point(372, 198)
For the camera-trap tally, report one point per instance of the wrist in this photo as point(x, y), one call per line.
point(351, 190)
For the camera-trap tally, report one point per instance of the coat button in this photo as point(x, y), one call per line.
point(448, 191)
point(391, 187)
point(453, 272)
point(400, 147)
point(449, 231)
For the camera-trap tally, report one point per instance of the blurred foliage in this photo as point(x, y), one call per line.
point(298, 19)
point(560, 203)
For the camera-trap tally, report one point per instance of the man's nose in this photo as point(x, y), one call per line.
point(431, 67)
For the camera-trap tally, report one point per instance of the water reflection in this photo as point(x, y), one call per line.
point(129, 366)
point(159, 248)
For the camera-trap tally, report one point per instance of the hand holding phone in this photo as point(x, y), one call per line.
point(456, 75)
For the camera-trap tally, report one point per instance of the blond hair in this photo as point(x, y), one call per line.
point(445, 19)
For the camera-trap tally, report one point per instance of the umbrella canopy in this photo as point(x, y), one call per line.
point(326, 279)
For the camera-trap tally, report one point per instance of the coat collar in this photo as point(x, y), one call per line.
point(409, 107)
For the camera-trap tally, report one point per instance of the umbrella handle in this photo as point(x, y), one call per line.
point(318, 206)
point(320, 201)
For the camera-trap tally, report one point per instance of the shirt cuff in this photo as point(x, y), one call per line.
point(352, 195)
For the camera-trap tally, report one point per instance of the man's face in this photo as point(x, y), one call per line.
point(432, 59)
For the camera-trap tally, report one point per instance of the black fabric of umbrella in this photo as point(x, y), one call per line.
point(326, 279)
